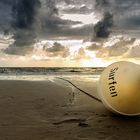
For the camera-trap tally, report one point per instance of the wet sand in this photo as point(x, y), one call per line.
point(54, 110)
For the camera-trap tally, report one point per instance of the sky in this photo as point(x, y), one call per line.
point(69, 33)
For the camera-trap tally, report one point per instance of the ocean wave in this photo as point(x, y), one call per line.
point(48, 71)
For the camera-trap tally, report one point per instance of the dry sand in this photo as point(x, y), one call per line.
point(53, 110)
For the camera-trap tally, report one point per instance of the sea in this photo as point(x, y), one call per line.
point(42, 73)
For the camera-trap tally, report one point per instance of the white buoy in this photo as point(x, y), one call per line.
point(119, 88)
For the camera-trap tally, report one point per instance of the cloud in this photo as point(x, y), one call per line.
point(118, 46)
point(94, 47)
point(14, 50)
point(32, 19)
point(124, 15)
point(102, 28)
point(56, 50)
point(24, 12)
point(29, 20)
point(102, 4)
point(80, 54)
point(72, 8)
point(5, 16)
point(131, 22)
point(134, 50)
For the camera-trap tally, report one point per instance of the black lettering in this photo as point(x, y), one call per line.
point(111, 74)
point(112, 88)
point(115, 69)
point(112, 82)
point(113, 92)
point(111, 78)
point(114, 95)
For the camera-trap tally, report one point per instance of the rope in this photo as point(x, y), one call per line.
point(93, 97)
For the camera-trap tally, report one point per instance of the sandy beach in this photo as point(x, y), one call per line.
point(52, 109)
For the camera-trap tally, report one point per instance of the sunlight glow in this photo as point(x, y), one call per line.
point(78, 55)
point(35, 57)
point(96, 62)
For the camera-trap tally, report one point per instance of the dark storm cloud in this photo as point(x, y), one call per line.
point(117, 5)
point(5, 16)
point(50, 20)
point(102, 28)
point(7, 1)
point(24, 12)
point(102, 3)
point(131, 22)
point(126, 11)
point(123, 14)
point(30, 19)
